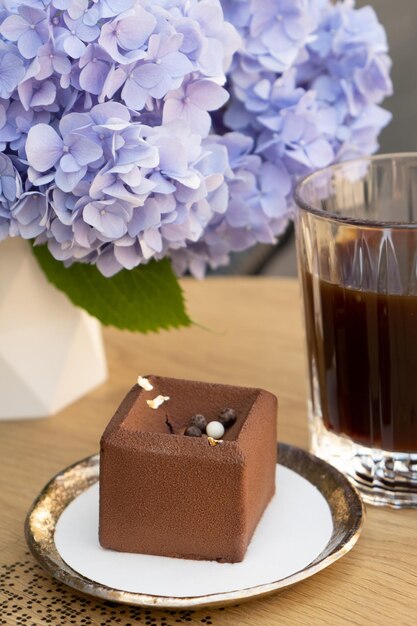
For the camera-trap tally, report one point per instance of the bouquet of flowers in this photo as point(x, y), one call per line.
point(140, 134)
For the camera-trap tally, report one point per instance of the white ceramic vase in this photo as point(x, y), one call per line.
point(51, 352)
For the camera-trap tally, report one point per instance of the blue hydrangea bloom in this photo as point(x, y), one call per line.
point(140, 129)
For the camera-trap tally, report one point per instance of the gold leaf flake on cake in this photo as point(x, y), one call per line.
point(145, 383)
point(213, 442)
point(156, 402)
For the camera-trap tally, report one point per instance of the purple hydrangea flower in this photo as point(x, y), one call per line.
point(278, 30)
point(109, 111)
point(10, 191)
point(76, 35)
point(30, 215)
point(69, 152)
point(192, 103)
point(51, 61)
point(10, 184)
point(95, 66)
point(108, 217)
point(124, 37)
point(252, 205)
point(28, 29)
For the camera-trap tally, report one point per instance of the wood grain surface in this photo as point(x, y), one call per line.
point(249, 333)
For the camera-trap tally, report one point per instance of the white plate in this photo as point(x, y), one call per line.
point(315, 517)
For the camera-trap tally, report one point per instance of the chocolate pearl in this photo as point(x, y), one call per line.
point(199, 421)
point(227, 417)
point(215, 430)
point(192, 431)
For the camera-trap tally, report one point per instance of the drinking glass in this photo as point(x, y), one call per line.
point(357, 254)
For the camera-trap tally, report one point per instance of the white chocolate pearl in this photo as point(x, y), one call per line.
point(215, 430)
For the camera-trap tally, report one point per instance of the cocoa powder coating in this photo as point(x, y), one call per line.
point(167, 494)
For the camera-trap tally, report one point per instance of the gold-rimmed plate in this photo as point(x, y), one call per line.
point(345, 506)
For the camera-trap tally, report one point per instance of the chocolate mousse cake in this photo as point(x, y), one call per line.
point(187, 469)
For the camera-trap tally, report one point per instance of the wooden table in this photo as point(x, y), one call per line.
point(250, 333)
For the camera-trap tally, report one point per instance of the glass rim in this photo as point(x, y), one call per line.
point(347, 220)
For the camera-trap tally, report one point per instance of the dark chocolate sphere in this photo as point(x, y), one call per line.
point(227, 417)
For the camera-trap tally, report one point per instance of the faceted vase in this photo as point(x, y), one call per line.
point(51, 352)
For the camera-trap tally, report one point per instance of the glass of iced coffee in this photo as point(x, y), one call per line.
point(357, 253)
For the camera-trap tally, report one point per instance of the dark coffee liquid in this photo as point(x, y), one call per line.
point(364, 346)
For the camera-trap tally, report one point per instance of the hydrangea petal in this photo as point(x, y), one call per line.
point(93, 76)
point(74, 46)
point(85, 151)
point(11, 73)
point(29, 43)
point(207, 95)
point(45, 95)
point(320, 153)
point(134, 95)
point(134, 30)
point(13, 27)
point(43, 147)
point(67, 181)
point(69, 164)
point(127, 256)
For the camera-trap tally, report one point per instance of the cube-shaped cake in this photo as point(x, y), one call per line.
point(163, 492)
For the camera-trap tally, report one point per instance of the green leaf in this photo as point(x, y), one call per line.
point(144, 299)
